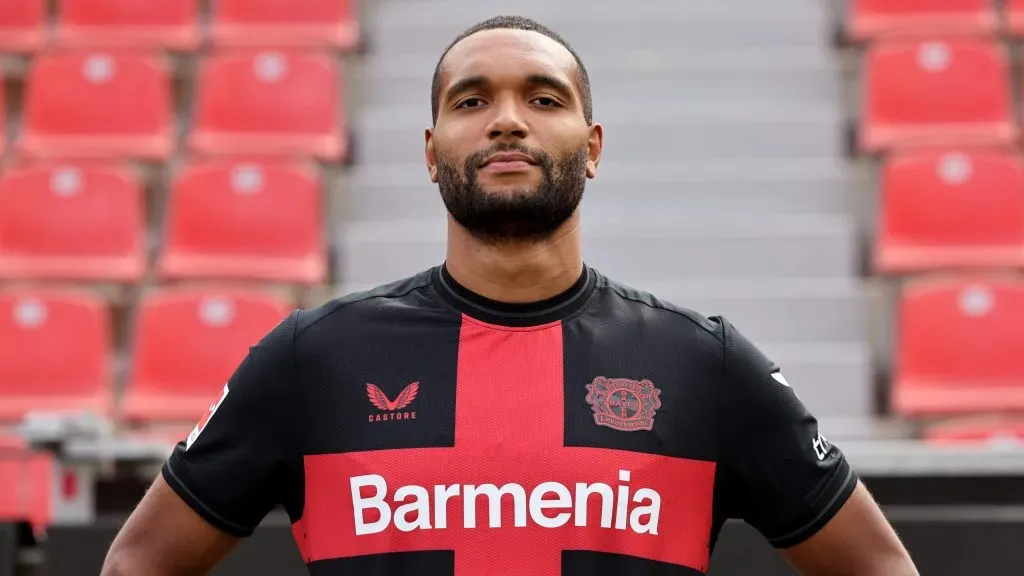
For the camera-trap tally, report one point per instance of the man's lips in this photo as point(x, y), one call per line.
point(507, 162)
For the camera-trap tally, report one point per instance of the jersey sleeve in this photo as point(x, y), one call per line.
point(237, 464)
point(787, 480)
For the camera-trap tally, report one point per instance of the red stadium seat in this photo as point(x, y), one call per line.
point(245, 221)
point(188, 343)
point(1015, 16)
point(97, 105)
point(284, 24)
point(22, 25)
point(25, 479)
point(167, 24)
point(952, 92)
point(959, 348)
point(951, 210)
point(55, 353)
point(994, 429)
point(270, 104)
point(884, 19)
point(72, 223)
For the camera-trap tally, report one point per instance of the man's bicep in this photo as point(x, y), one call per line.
point(857, 541)
point(788, 480)
point(240, 462)
point(164, 536)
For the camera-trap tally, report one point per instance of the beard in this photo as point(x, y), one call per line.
point(523, 215)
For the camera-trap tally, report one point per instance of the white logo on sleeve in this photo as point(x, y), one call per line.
point(821, 447)
point(194, 435)
point(778, 377)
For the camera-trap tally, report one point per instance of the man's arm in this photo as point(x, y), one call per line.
point(165, 537)
point(790, 483)
point(239, 463)
point(857, 541)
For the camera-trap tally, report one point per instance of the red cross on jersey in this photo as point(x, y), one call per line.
point(420, 429)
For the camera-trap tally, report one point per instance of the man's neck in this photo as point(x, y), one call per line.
point(517, 272)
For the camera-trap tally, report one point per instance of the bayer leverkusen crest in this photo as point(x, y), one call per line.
point(623, 404)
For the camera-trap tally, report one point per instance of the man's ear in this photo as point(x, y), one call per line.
point(431, 156)
point(595, 147)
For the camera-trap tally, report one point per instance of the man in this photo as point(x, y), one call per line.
point(512, 411)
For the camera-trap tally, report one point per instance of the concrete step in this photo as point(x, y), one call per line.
point(787, 74)
point(375, 252)
point(775, 309)
point(834, 380)
point(404, 27)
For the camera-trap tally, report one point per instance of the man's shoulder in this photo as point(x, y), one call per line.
point(671, 313)
point(357, 302)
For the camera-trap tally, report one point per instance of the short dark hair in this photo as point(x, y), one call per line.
point(515, 23)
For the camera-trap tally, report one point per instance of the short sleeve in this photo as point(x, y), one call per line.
point(787, 479)
point(237, 464)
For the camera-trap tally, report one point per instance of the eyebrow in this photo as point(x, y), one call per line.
point(550, 82)
point(466, 84)
point(475, 82)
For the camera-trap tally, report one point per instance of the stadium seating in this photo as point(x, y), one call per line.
point(959, 347)
point(945, 92)
point(72, 223)
point(250, 221)
point(167, 24)
point(22, 25)
point(55, 353)
point(994, 429)
point(25, 479)
point(187, 344)
point(883, 19)
point(269, 103)
point(284, 24)
point(948, 209)
point(93, 105)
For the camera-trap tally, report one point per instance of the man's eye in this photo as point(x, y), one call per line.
point(470, 103)
point(545, 101)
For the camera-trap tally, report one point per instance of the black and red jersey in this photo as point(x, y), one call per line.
point(419, 429)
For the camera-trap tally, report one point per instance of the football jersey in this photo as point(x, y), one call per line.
point(420, 429)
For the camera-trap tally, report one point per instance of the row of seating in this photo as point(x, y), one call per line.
point(869, 20)
point(188, 340)
point(100, 105)
point(186, 343)
point(176, 24)
point(224, 220)
point(257, 220)
point(945, 92)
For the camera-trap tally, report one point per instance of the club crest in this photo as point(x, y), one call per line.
point(623, 404)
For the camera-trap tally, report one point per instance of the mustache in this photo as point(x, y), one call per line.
point(477, 158)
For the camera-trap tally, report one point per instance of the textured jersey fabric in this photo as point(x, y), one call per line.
point(421, 429)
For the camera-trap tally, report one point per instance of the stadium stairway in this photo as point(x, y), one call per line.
point(723, 158)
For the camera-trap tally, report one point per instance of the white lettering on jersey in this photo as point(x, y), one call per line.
point(194, 435)
point(821, 446)
point(548, 505)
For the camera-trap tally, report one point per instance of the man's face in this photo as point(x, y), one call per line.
point(511, 150)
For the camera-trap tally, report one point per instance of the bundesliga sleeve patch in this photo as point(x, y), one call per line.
point(194, 435)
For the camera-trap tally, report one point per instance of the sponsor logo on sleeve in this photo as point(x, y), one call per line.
point(821, 447)
point(194, 435)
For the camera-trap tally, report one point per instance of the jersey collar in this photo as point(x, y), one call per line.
point(490, 311)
